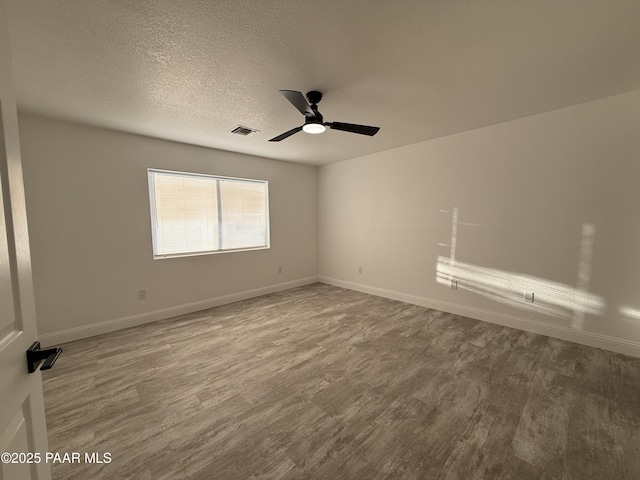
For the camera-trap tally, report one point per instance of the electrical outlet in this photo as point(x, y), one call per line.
point(359, 269)
point(142, 294)
point(528, 297)
point(454, 284)
point(279, 269)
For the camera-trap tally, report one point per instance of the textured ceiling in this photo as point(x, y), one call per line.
point(191, 70)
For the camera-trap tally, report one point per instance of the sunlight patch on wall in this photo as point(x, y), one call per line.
point(524, 291)
point(454, 234)
point(584, 271)
point(552, 298)
point(631, 313)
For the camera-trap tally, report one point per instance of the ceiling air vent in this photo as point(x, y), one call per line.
point(244, 131)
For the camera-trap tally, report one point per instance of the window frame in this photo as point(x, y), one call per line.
point(153, 213)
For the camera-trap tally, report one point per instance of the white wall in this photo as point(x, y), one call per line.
point(88, 210)
point(529, 193)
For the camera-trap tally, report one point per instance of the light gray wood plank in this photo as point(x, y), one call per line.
point(319, 382)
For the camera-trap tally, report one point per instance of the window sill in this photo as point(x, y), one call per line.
point(210, 252)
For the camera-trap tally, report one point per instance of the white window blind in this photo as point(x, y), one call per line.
point(196, 213)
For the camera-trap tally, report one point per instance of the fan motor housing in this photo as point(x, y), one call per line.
point(317, 118)
point(314, 97)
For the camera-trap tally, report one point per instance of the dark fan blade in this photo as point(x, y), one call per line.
point(286, 134)
point(353, 128)
point(298, 101)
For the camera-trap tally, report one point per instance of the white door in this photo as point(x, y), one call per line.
point(22, 423)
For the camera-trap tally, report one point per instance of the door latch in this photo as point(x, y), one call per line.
point(35, 356)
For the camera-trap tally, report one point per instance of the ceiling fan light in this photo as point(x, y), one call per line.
point(313, 128)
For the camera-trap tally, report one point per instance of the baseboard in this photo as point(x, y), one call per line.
point(597, 340)
point(107, 326)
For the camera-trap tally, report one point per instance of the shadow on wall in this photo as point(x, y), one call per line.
point(526, 291)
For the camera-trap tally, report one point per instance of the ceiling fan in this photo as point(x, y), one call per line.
point(313, 121)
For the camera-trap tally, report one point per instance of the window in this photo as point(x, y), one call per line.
point(194, 214)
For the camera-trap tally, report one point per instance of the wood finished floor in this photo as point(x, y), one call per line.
point(324, 383)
